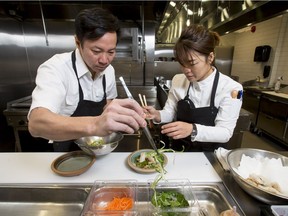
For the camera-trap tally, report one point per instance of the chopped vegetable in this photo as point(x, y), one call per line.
point(124, 203)
point(97, 143)
point(150, 160)
point(169, 199)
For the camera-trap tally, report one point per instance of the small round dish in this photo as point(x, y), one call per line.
point(73, 163)
point(134, 155)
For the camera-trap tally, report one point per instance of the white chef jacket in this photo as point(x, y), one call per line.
point(57, 86)
point(200, 94)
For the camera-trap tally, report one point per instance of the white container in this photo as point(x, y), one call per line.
point(280, 210)
point(278, 84)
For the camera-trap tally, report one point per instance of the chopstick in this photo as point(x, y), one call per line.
point(143, 101)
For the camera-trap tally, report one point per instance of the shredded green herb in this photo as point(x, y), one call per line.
point(161, 169)
point(97, 143)
point(167, 199)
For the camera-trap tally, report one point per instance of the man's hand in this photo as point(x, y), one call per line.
point(124, 115)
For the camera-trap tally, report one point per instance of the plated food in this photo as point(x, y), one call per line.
point(147, 161)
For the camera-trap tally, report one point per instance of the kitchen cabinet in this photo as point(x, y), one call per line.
point(251, 100)
point(273, 117)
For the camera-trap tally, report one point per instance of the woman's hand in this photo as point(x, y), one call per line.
point(152, 113)
point(177, 130)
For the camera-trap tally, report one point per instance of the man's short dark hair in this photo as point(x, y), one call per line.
point(93, 23)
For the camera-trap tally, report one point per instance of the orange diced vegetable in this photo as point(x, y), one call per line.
point(124, 203)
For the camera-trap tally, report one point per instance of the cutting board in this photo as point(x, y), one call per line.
point(35, 168)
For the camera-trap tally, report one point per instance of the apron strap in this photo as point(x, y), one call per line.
point(73, 57)
point(187, 94)
point(215, 84)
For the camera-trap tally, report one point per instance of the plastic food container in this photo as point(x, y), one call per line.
point(182, 186)
point(103, 193)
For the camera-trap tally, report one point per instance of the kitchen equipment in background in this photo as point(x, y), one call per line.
point(224, 58)
point(278, 84)
point(16, 117)
point(262, 53)
point(266, 71)
point(165, 64)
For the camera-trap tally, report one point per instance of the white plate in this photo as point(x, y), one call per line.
point(132, 158)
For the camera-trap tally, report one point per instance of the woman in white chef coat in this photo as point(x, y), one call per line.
point(203, 104)
point(75, 91)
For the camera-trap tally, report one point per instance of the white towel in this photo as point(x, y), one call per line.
point(221, 154)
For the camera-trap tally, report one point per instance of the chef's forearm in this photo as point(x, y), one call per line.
point(45, 124)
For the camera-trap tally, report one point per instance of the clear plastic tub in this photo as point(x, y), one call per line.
point(105, 192)
point(172, 187)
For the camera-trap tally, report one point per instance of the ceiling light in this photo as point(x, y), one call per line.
point(189, 12)
point(173, 4)
point(200, 11)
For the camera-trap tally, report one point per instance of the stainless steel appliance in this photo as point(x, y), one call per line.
point(16, 116)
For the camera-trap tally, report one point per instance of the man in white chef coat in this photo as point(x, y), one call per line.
point(75, 92)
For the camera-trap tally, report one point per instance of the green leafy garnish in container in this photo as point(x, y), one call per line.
point(169, 199)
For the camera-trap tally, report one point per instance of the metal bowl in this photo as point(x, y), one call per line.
point(234, 158)
point(108, 143)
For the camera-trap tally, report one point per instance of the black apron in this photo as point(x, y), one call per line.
point(187, 112)
point(84, 108)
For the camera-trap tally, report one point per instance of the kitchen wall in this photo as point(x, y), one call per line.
point(271, 32)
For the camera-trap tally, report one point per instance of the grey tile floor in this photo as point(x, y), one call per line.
point(251, 140)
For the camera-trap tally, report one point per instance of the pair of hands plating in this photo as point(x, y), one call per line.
point(237, 94)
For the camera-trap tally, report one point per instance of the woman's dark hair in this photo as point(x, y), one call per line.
point(93, 23)
point(195, 38)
